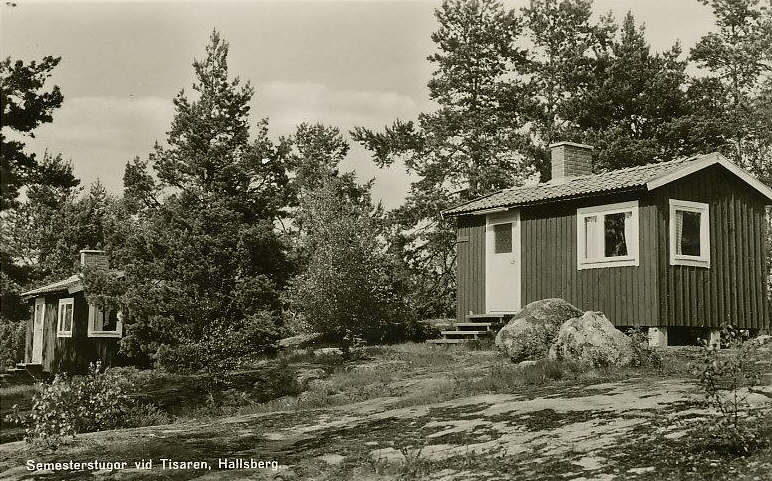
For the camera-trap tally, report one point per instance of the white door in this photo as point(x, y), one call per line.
point(37, 331)
point(502, 262)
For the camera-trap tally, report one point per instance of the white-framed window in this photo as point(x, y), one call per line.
point(607, 236)
point(104, 323)
point(65, 317)
point(689, 233)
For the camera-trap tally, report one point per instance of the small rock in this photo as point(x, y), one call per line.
point(647, 469)
point(332, 459)
point(307, 375)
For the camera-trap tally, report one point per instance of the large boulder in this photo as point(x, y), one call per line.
point(592, 340)
point(531, 331)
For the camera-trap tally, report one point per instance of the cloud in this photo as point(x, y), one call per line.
point(289, 103)
point(100, 134)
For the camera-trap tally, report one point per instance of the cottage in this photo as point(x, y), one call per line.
point(64, 332)
point(676, 247)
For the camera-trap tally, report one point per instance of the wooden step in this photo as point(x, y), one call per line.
point(463, 333)
point(490, 315)
point(474, 325)
point(445, 341)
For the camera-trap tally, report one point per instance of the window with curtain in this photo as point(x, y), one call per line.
point(607, 235)
point(689, 233)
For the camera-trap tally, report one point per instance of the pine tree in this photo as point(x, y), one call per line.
point(739, 54)
point(468, 147)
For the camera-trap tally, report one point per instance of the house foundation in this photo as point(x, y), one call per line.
point(715, 339)
point(657, 336)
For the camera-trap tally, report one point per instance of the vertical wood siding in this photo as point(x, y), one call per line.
point(627, 295)
point(470, 262)
point(76, 352)
point(733, 290)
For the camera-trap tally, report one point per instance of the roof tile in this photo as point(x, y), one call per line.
point(615, 180)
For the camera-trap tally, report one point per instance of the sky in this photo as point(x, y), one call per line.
point(343, 63)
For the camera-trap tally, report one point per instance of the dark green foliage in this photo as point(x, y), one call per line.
point(739, 57)
point(12, 342)
point(466, 148)
point(26, 105)
point(347, 289)
point(223, 348)
point(561, 65)
point(203, 259)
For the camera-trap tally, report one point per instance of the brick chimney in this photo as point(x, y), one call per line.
point(89, 257)
point(570, 159)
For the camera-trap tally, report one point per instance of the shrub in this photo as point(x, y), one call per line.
point(12, 341)
point(643, 354)
point(72, 405)
point(223, 348)
point(146, 414)
point(724, 377)
point(347, 289)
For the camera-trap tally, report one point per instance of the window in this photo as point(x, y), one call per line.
point(64, 325)
point(607, 235)
point(503, 238)
point(689, 233)
point(103, 324)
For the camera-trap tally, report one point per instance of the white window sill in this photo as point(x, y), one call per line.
point(690, 261)
point(64, 334)
point(104, 334)
point(626, 261)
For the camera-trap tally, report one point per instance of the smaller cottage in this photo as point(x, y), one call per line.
point(64, 332)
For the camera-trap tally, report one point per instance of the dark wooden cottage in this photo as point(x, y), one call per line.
point(65, 332)
point(675, 246)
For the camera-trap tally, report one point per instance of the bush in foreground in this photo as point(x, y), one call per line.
point(12, 340)
point(725, 378)
point(80, 404)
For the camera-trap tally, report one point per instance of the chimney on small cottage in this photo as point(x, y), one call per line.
point(91, 257)
point(570, 159)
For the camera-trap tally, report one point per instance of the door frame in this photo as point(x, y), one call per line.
point(37, 331)
point(513, 216)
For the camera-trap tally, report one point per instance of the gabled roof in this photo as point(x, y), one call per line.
point(71, 285)
point(645, 177)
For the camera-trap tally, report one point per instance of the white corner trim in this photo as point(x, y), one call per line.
point(631, 260)
point(703, 260)
point(706, 161)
